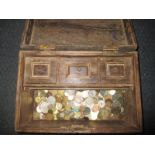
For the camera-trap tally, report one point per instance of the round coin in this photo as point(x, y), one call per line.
point(101, 103)
point(38, 99)
point(92, 93)
point(86, 111)
point(51, 100)
point(58, 106)
point(95, 108)
point(85, 93)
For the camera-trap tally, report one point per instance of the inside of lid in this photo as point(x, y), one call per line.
point(78, 34)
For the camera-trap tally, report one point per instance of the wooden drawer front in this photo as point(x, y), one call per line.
point(40, 70)
point(78, 70)
point(116, 70)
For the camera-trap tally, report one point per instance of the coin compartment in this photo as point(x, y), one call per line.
point(31, 118)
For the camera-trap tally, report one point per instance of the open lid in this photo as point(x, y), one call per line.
point(85, 34)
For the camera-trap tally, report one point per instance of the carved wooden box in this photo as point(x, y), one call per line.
point(78, 76)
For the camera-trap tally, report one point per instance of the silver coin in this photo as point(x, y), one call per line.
point(38, 109)
point(51, 100)
point(85, 93)
point(101, 103)
point(44, 107)
point(93, 115)
point(92, 93)
point(112, 92)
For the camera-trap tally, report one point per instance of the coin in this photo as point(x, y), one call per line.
point(60, 92)
point(49, 116)
point(69, 92)
point(116, 110)
point(95, 108)
point(42, 116)
point(103, 113)
point(112, 92)
point(38, 99)
point(89, 101)
point(86, 111)
point(103, 92)
point(38, 109)
point(44, 107)
point(101, 103)
point(92, 93)
point(77, 115)
point(93, 115)
point(108, 103)
point(78, 99)
point(68, 107)
point(51, 100)
point(58, 106)
point(70, 97)
point(85, 93)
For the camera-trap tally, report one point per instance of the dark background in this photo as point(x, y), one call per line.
point(10, 35)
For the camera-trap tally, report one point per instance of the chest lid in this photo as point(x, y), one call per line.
point(85, 34)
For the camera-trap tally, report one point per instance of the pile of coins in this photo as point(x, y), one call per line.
point(78, 104)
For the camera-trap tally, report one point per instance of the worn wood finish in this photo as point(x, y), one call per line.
point(62, 63)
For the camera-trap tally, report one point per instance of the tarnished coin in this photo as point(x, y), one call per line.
point(101, 103)
point(95, 108)
point(38, 99)
point(85, 93)
point(51, 100)
point(116, 110)
point(103, 92)
point(86, 111)
point(58, 106)
point(103, 113)
point(49, 116)
point(92, 93)
point(108, 103)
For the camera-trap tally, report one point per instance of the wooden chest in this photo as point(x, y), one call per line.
point(78, 76)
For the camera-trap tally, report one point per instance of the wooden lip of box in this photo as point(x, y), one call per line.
point(78, 54)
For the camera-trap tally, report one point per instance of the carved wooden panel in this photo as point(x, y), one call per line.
point(78, 70)
point(116, 70)
point(38, 70)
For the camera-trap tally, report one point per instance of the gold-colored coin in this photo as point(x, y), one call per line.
point(49, 116)
point(38, 99)
point(60, 92)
